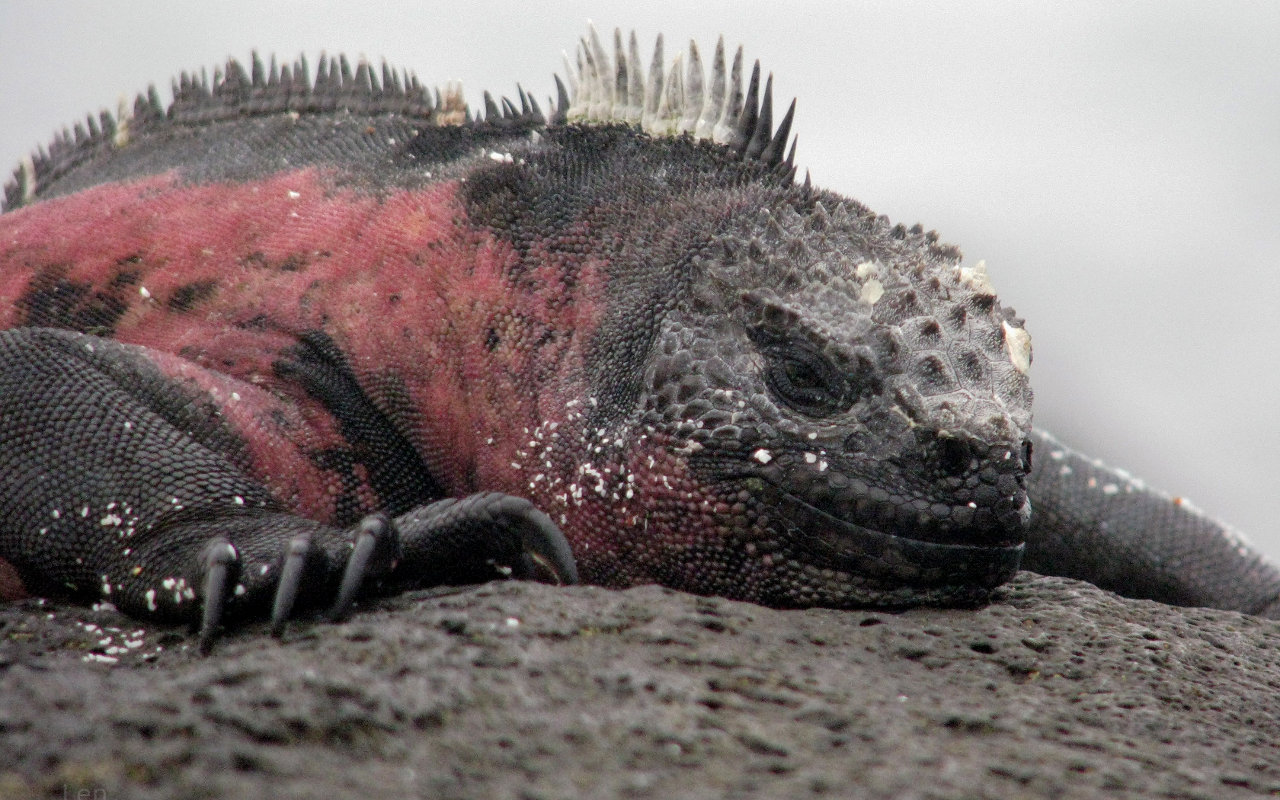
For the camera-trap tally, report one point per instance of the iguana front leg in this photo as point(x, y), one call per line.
point(1095, 523)
point(119, 483)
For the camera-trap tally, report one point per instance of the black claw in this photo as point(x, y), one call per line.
point(546, 551)
point(376, 549)
point(545, 555)
point(219, 562)
point(295, 563)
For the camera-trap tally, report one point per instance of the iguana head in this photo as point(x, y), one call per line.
point(865, 395)
point(834, 411)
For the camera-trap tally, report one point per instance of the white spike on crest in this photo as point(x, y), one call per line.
point(663, 101)
point(692, 92)
point(635, 72)
point(732, 108)
point(604, 75)
point(667, 119)
point(653, 86)
point(27, 179)
point(714, 102)
point(124, 115)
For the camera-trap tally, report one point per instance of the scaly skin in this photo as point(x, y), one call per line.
point(251, 349)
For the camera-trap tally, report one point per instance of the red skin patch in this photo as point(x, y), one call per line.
point(11, 586)
point(466, 358)
point(480, 364)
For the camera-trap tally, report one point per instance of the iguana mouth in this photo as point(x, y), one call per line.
point(893, 558)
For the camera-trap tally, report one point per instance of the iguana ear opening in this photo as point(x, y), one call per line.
point(677, 100)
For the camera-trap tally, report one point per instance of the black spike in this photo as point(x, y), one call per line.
point(141, 110)
point(302, 74)
point(322, 75)
point(535, 112)
point(255, 88)
point(298, 85)
point(791, 154)
point(179, 90)
point(366, 81)
point(750, 109)
point(235, 84)
point(256, 75)
point(764, 124)
point(336, 83)
point(323, 88)
point(333, 80)
point(287, 79)
point(153, 100)
point(491, 112)
point(772, 153)
point(561, 105)
point(524, 101)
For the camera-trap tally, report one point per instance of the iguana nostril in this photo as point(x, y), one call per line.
point(955, 456)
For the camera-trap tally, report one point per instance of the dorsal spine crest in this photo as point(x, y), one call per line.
point(678, 99)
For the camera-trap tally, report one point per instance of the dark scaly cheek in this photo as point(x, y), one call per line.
point(648, 517)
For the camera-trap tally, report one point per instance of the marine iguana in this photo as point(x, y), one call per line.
point(289, 342)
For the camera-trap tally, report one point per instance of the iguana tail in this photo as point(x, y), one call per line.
point(1099, 524)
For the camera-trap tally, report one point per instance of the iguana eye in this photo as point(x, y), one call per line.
point(805, 379)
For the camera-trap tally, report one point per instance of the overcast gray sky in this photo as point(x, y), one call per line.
point(1117, 166)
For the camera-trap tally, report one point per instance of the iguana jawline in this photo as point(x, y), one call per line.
point(893, 557)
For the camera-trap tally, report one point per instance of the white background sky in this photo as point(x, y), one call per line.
point(1116, 164)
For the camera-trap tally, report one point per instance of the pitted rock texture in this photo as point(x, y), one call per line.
point(514, 690)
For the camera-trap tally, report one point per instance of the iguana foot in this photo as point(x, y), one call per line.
point(463, 540)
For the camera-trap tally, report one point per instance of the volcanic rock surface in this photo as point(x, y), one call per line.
point(519, 690)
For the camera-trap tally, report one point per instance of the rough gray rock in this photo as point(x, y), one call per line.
point(526, 691)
